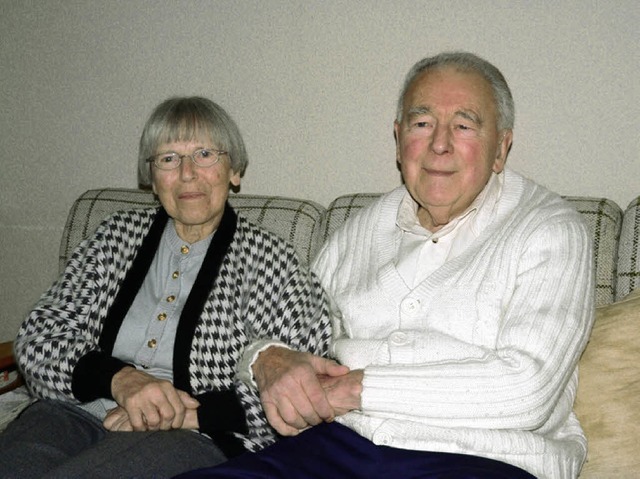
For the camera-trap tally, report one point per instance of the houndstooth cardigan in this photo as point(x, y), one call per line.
point(261, 292)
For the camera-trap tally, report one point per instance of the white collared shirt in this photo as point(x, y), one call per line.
point(422, 252)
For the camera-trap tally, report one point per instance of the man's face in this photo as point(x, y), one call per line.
point(447, 143)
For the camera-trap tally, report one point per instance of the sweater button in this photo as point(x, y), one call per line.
point(410, 306)
point(382, 438)
point(398, 338)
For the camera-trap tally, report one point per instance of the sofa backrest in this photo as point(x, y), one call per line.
point(307, 225)
point(629, 251)
point(297, 221)
point(603, 216)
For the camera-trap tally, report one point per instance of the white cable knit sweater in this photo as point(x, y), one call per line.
point(479, 358)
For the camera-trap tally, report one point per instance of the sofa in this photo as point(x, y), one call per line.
point(607, 401)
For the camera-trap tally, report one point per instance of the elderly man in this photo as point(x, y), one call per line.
point(461, 302)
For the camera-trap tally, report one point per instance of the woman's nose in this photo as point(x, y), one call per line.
point(188, 169)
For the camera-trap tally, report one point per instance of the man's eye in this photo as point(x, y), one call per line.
point(421, 124)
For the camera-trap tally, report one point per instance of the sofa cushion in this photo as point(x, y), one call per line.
point(607, 402)
point(629, 251)
point(297, 221)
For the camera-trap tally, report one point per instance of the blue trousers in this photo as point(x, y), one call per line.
point(53, 439)
point(335, 451)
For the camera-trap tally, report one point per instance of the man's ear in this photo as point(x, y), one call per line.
point(504, 146)
point(396, 136)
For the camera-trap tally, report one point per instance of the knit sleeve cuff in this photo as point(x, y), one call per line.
point(221, 411)
point(93, 374)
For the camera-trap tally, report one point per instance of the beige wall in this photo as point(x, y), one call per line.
point(312, 84)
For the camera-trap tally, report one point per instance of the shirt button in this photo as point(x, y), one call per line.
point(171, 299)
point(184, 249)
point(152, 343)
point(162, 316)
point(175, 274)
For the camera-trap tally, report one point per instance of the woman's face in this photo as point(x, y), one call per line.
point(193, 196)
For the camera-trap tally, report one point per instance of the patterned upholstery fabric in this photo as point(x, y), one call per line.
point(603, 216)
point(297, 221)
point(341, 208)
point(629, 251)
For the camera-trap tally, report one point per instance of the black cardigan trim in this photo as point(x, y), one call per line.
point(221, 412)
point(93, 374)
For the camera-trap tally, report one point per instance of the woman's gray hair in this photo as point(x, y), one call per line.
point(186, 119)
point(466, 62)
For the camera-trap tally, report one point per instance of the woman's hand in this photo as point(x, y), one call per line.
point(117, 419)
point(150, 403)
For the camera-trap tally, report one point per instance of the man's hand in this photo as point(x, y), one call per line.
point(343, 392)
point(291, 394)
point(150, 403)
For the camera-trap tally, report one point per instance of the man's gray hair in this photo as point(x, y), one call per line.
point(185, 119)
point(466, 62)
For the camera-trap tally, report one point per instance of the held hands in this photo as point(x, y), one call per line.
point(343, 392)
point(292, 393)
point(146, 403)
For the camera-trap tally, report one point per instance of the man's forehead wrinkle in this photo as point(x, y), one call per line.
point(468, 114)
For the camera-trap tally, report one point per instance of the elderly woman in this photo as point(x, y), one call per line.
point(133, 352)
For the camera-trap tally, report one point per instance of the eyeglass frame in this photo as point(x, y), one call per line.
point(192, 156)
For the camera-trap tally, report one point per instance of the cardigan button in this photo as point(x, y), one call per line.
point(398, 338)
point(184, 249)
point(382, 438)
point(410, 306)
point(152, 343)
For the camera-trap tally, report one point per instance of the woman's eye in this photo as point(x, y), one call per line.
point(204, 153)
point(167, 158)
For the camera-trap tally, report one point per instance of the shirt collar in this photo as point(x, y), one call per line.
point(407, 217)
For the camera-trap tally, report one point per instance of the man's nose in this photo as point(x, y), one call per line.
point(441, 140)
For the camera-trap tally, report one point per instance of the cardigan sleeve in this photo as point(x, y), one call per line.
point(65, 324)
point(300, 321)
